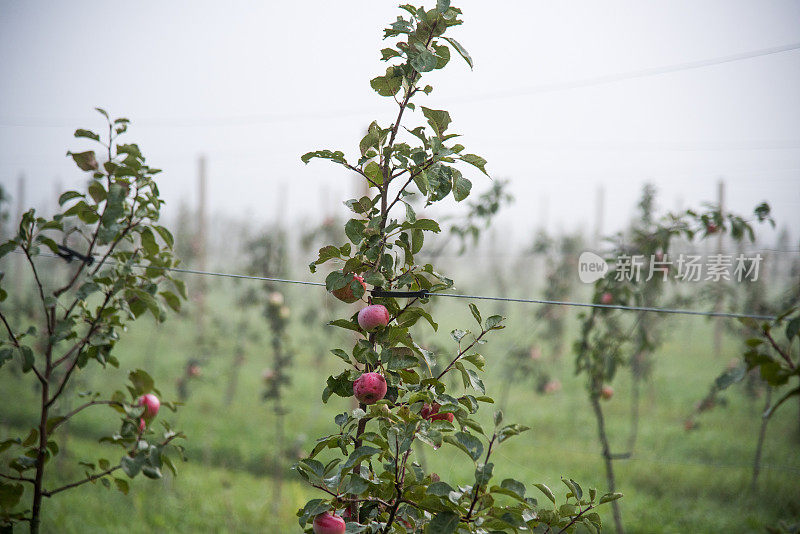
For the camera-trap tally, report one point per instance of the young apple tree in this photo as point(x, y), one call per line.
point(118, 256)
point(366, 468)
point(611, 340)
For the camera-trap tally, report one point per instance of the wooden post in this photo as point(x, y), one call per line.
point(14, 224)
point(599, 215)
point(718, 304)
point(201, 245)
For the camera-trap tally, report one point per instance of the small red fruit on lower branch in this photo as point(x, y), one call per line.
point(373, 316)
point(369, 388)
point(607, 392)
point(328, 523)
point(142, 425)
point(712, 228)
point(345, 294)
point(606, 298)
point(431, 412)
point(151, 405)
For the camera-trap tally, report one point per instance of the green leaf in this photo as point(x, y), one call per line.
point(461, 186)
point(477, 161)
point(69, 195)
point(443, 523)
point(792, 328)
point(27, 358)
point(460, 49)
point(341, 354)
point(547, 492)
point(424, 61)
point(142, 382)
point(390, 83)
point(468, 443)
point(337, 157)
point(10, 494)
point(493, 322)
point(475, 313)
point(608, 497)
point(86, 133)
point(361, 453)
point(86, 161)
point(122, 485)
point(131, 466)
point(438, 119)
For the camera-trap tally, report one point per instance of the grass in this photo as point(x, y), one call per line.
point(676, 481)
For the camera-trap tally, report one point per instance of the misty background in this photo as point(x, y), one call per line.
point(570, 102)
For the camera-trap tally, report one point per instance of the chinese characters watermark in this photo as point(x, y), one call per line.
point(685, 267)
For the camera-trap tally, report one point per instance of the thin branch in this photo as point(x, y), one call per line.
point(362, 173)
point(41, 290)
point(10, 332)
point(478, 486)
point(81, 408)
point(460, 354)
point(21, 479)
point(779, 350)
point(81, 482)
point(575, 519)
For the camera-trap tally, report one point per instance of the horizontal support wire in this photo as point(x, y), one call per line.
point(674, 311)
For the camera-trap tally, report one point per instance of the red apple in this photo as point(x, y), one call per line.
point(142, 425)
point(369, 388)
point(607, 392)
point(151, 405)
point(606, 298)
point(711, 228)
point(431, 412)
point(552, 386)
point(194, 371)
point(328, 523)
point(373, 316)
point(345, 294)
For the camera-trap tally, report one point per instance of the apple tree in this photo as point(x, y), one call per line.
point(118, 256)
point(365, 468)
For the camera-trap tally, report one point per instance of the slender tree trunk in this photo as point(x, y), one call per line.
point(635, 402)
point(761, 435)
point(233, 379)
point(612, 485)
point(38, 483)
point(277, 475)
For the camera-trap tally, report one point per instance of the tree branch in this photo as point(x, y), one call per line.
point(575, 519)
point(81, 408)
point(460, 354)
point(21, 479)
point(81, 482)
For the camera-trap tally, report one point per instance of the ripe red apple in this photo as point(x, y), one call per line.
point(373, 316)
point(606, 298)
point(328, 523)
point(345, 294)
point(711, 228)
point(552, 386)
point(607, 392)
point(151, 405)
point(369, 388)
point(431, 412)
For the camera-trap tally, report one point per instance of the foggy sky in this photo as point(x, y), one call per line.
point(253, 85)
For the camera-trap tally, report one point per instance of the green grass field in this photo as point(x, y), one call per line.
point(675, 482)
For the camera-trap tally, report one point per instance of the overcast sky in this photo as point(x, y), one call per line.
point(253, 85)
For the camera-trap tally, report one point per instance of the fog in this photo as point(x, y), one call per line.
point(564, 99)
